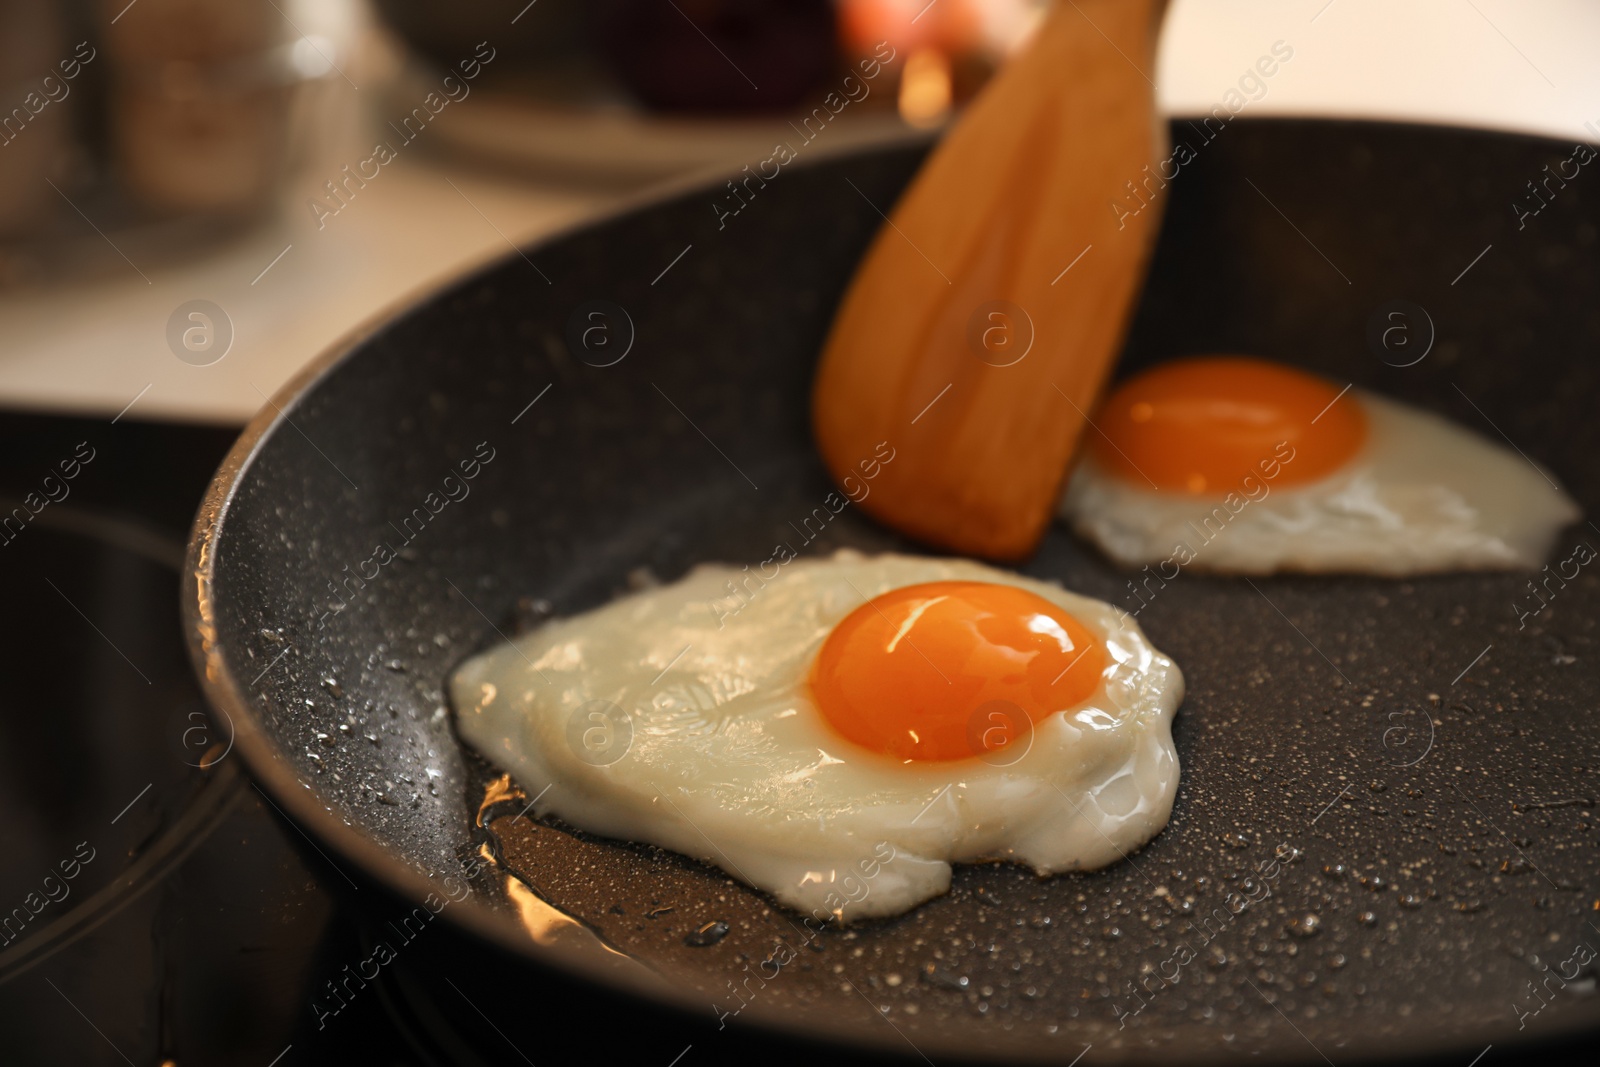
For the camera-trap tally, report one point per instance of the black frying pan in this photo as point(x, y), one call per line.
point(1422, 759)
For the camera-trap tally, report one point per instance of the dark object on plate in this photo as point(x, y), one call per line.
point(720, 56)
point(1383, 843)
point(525, 36)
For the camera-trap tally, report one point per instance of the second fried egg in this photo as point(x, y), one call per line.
point(1245, 466)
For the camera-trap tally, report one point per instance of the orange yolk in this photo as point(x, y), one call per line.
point(1202, 425)
point(914, 673)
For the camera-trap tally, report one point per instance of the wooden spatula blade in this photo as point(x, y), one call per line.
point(965, 341)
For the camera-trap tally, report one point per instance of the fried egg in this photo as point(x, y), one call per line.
point(1245, 466)
point(838, 732)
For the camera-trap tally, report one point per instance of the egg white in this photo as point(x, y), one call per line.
point(1422, 495)
point(730, 761)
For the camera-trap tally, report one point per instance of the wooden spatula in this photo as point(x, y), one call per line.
point(986, 315)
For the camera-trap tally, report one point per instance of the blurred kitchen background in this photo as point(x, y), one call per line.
point(193, 202)
point(199, 196)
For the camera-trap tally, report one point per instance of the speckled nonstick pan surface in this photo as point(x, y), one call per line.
point(1422, 756)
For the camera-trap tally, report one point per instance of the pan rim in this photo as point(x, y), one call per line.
point(382, 869)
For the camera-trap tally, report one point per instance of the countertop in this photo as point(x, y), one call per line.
point(293, 287)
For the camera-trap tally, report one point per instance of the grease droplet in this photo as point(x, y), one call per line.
point(1305, 925)
point(707, 935)
point(944, 979)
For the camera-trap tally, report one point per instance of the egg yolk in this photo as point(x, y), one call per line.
point(1202, 425)
point(915, 673)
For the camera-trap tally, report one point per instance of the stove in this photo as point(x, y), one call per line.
point(155, 906)
point(156, 910)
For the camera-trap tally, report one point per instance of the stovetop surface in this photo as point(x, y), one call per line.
point(155, 909)
point(154, 906)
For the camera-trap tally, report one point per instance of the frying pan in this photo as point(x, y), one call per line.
point(1383, 842)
